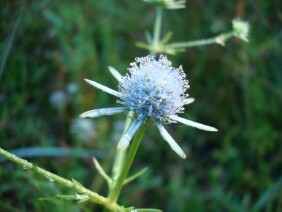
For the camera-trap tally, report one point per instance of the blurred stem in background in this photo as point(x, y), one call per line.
point(219, 39)
point(10, 40)
point(157, 31)
point(246, 87)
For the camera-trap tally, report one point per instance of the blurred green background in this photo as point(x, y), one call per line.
point(49, 47)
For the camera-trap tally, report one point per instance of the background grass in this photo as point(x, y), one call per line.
point(48, 47)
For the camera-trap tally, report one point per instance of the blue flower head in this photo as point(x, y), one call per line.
point(152, 88)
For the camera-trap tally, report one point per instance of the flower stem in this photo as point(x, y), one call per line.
point(120, 155)
point(157, 30)
point(116, 189)
point(219, 39)
point(93, 197)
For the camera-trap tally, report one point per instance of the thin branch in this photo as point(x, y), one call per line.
point(134, 176)
point(94, 197)
point(102, 172)
point(219, 39)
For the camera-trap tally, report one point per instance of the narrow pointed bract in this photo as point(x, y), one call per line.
point(115, 73)
point(103, 112)
point(128, 135)
point(192, 123)
point(172, 143)
point(188, 101)
point(103, 88)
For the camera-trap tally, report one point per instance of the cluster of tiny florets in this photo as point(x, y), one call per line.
point(153, 88)
point(241, 29)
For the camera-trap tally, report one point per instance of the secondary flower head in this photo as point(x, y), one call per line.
point(241, 29)
point(152, 88)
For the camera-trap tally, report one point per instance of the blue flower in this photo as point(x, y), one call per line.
point(152, 88)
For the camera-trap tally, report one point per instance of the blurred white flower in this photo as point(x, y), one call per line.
point(84, 129)
point(58, 99)
point(72, 88)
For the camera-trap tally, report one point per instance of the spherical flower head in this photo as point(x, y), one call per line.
point(153, 88)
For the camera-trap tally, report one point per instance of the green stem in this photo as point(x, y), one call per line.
point(157, 30)
point(93, 197)
point(120, 155)
point(114, 193)
point(220, 39)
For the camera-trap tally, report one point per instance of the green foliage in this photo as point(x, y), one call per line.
point(53, 45)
